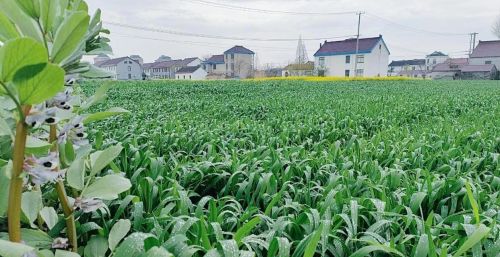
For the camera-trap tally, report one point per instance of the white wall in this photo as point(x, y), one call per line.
point(432, 61)
point(243, 65)
point(128, 70)
point(199, 74)
point(375, 64)
point(480, 61)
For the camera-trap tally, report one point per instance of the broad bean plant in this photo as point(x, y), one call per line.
point(50, 174)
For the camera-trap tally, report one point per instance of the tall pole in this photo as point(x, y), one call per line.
point(472, 42)
point(357, 45)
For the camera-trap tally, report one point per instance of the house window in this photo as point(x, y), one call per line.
point(232, 66)
point(359, 72)
point(215, 66)
point(360, 59)
point(347, 73)
point(184, 76)
point(189, 76)
point(129, 68)
point(348, 59)
point(487, 62)
point(413, 68)
point(428, 61)
point(434, 61)
point(129, 76)
point(232, 56)
point(322, 61)
point(227, 66)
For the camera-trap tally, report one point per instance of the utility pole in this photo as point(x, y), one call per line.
point(357, 44)
point(472, 42)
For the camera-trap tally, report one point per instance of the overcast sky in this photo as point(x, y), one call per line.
point(407, 26)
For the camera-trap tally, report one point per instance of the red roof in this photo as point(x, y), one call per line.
point(348, 46)
point(487, 49)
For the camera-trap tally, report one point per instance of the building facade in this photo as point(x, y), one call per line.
point(191, 73)
point(239, 62)
point(168, 69)
point(123, 68)
point(298, 70)
point(486, 52)
point(415, 68)
point(215, 65)
point(338, 58)
point(434, 59)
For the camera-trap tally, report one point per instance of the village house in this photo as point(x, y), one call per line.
point(415, 68)
point(479, 72)
point(168, 69)
point(338, 58)
point(239, 62)
point(191, 73)
point(298, 70)
point(123, 68)
point(486, 52)
point(215, 67)
point(434, 59)
point(450, 69)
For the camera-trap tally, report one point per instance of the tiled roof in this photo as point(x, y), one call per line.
point(487, 49)
point(188, 69)
point(215, 59)
point(478, 68)
point(348, 46)
point(437, 53)
point(239, 50)
point(168, 64)
point(113, 62)
point(452, 64)
point(407, 62)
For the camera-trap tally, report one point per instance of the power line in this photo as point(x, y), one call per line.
point(248, 9)
point(172, 32)
point(206, 44)
point(416, 29)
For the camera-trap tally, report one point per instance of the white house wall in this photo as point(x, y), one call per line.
point(376, 63)
point(483, 60)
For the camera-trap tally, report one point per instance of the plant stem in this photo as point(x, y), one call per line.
point(63, 197)
point(16, 181)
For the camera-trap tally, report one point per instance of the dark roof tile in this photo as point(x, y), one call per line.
point(188, 69)
point(487, 49)
point(348, 46)
point(239, 50)
point(407, 62)
point(215, 59)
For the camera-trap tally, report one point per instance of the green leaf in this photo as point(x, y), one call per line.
point(104, 115)
point(36, 146)
point(70, 36)
point(4, 188)
point(19, 53)
point(43, 86)
point(158, 252)
point(473, 203)
point(229, 248)
point(26, 24)
point(101, 159)
point(36, 238)
point(76, 174)
point(7, 29)
point(28, 7)
point(10, 249)
point(49, 215)
point(373, 248)
point(107, 188)
point(422, 246)
point(132, 246)
point(118, 232)
point(481, 232)
point(96, 247)
point(99, 95)
point(246, 229)
point(60, 253)
point(96, 73)
point(280, 247)
point(416, 201)
point(48, 13)
point(313, 243)
point(31, 204)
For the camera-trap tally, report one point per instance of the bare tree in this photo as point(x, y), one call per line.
point(496, 27)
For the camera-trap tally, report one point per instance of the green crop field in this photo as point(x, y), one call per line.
point(290, 168)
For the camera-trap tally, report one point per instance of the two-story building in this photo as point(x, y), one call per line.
point(239, 62)
point(338, 58)
point(123, 68)
point(434, 59)
point(168, 69)
point(486, 52)
point(215, 65)
point(408, 68)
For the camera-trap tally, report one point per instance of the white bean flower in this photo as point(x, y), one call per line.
point(43, 170)
point(88, 205)
point(40, 115)
point(74, 131)
point(60, 243)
